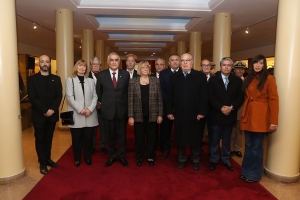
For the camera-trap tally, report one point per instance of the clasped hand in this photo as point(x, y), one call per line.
point(86, 112)
point(226, 110)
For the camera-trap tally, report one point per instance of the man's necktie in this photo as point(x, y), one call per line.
point(114, 80)
point(226, 82)
point(184, 73)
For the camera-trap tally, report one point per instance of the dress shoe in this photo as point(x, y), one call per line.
point(110, 162)
point(77, 163)
point(151, 162)
point(123, 162)
point(180, 165)
point(212, 165)
point(243, 177)
point(196, 165)
point(51, 163)
point(165, 155)
point(229, 166)
point(88, 162)
point(139, 163)
point(103, 151)
point(44, 169)
point(248, 180)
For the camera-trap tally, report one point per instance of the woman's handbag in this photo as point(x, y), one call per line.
point(67, 117)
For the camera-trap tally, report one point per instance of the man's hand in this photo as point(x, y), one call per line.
point(200, 117)
point(49, 113)
point(170, 117)
point(159, 119)
point(226, 110)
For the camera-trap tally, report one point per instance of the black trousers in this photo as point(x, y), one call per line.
point(82, 138)
point(165, 134)
point(103, 133)
point(43, 133)
point(196, 152)
point(142, 129)
point(116, 132)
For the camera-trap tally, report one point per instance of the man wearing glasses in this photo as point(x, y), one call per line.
point(96, 65)
point(112, 91)
point(187, 106)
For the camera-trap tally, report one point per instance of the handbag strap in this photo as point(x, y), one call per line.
point(65, 96)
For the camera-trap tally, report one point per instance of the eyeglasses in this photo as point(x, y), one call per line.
point(208, 65)
point(116, 60)
point(145, 67)
point(187, 60)
point(160, 64)
point(96, 64)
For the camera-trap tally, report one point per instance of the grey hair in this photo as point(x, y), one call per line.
point(113, 53)
point(95, 58)
point(226, 58)
point(160, 59)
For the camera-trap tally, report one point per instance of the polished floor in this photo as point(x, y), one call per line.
point(62, 141)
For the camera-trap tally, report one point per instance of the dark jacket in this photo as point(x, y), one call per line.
point(187, 98)
point(219, 97)
point(113, 101)
point(43, 99)
point(135, 100)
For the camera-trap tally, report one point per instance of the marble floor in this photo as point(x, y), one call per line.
point(62, 141)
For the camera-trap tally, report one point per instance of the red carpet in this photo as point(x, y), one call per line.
point(163, 181)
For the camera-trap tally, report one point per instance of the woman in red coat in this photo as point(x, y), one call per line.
point(259, 116)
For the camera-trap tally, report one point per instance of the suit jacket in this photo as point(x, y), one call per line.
point(135, 100)
point(164, 78)
point(113, 101)
point(87, 100)
point(260, 108)
point(219, 97)
point(135, 74)
point(42, 99)
point(187, 98)
point(92, 76)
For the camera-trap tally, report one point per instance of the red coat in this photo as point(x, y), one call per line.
point(260, 108)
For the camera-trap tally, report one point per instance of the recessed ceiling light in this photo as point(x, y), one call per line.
point(79, 47)
point(125, 52)
point(247, 30)
point(153, 53)
point(34, 26)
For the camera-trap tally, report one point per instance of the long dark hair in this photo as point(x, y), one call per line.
point(262, 75)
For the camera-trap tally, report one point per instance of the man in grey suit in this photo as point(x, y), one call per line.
point(112, 90)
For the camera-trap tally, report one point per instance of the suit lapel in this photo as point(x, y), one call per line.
point(137, 87)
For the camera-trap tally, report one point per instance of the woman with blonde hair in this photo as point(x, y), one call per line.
point(145, 109)
point(82, 99)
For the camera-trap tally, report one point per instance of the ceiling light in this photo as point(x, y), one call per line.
point(79, 47)
point(153, 53)
point(247, 30)
point(34, 26)
point(125, 52)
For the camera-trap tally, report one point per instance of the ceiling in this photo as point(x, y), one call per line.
point(144, 27)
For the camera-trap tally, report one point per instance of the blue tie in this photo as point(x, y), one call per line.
point(226, 82)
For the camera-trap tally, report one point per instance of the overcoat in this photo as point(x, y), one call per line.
point(87, 100)
point(219, 97)
point(135, 100)
point(187, 98)
point(260, 108)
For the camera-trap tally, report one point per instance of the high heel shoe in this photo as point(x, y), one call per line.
point(77, 163)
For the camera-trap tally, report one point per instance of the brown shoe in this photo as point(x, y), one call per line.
point(165, 155)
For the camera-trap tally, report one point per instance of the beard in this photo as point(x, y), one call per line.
point(44, 68)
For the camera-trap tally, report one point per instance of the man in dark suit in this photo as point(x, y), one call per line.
point(44, 93)
point(167, 124)
point(96, 66)
point(130, 63)
point(159, 66)
point(187, 106)
point(225, 97)
point(112, 90)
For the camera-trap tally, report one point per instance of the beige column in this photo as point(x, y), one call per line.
point(181, 48)
point(64, 49)
point(222, 38)
point(11, 148)
point(172, 51)
point(87, 46)
point(166, 57)
point(100, 51)
point(195, 48)
point(107, 52)
point(284, 145)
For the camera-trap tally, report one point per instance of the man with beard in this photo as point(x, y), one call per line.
point(44, 93)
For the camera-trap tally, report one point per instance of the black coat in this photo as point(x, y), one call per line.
point(43, 99)
point(187, 98)
point(219, 97)
point(113, 101)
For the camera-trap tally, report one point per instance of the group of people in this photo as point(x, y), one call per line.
point(178, 96)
